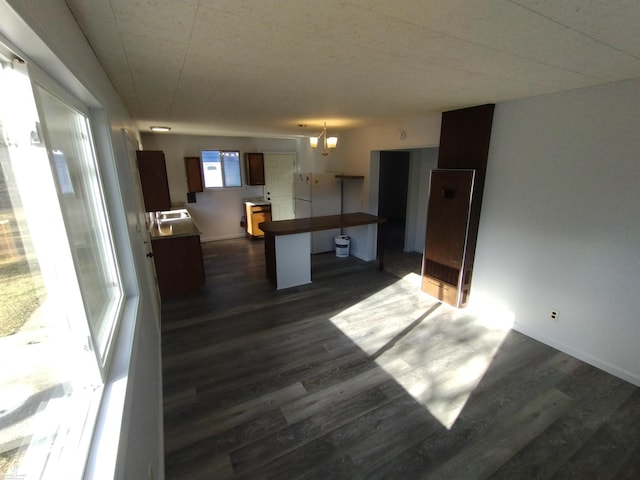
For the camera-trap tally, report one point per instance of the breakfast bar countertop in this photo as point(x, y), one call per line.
point(287, 244)
point(314, 224)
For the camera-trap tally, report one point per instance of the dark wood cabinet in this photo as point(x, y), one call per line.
point(179, 266)
point(193, 172)
point(254, 168)
point(453, 219)
point(153, 179)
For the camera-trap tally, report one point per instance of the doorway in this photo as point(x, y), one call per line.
point(392, 196)
point(278, 168)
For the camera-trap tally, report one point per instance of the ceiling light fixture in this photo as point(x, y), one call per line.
point(329, 143)
point(159, 128)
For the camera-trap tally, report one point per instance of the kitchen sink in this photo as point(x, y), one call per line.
point(172, 215)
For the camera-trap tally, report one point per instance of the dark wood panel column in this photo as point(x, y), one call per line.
point(464, 145)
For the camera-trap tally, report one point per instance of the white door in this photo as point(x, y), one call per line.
point(278, 169)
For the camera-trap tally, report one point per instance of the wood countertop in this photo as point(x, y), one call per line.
point(173, 228)
point(314, 224)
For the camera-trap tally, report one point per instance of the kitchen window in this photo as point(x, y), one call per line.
point(221, 168)
point(61, 288)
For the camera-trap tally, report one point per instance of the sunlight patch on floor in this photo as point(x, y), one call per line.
point(413, 279)
point(448, 351)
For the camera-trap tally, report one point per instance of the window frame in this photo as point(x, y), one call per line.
point(221, 152)
point(100, 423)
point(41, 79)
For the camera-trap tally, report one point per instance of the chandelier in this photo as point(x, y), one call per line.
point(328, 143)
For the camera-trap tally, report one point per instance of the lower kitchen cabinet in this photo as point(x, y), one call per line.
point(179, 266)
point(256, 214)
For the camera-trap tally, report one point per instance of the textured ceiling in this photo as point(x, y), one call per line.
point(261, 67)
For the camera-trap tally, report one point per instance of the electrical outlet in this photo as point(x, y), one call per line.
point(554, 314)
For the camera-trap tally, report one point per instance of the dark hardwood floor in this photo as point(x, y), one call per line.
point(360, 376)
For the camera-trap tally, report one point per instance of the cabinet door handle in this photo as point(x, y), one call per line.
point(150, 254)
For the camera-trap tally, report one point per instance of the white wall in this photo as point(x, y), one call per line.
point(358, 154)
point(422, 161)
point(46, 34)
point(560, 224)
point(309, 160)
point(217, 212)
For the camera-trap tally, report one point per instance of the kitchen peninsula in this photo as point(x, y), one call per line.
point(288, 244)
point(177, 255)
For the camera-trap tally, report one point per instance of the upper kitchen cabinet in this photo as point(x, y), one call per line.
point(153, 179)
point(254, 168)
point(193, 171)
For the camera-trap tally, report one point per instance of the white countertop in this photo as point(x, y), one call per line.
point(256, 201)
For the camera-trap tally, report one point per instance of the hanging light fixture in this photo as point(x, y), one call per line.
point(328, 143)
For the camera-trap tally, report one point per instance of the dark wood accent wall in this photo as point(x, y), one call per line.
point(464, 145)
point(465, 137)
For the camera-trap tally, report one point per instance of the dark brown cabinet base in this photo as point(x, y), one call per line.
point(179, 266)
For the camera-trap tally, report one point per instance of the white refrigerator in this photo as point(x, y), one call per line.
point(316, 195)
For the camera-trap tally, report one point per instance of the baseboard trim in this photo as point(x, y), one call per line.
point(580, 355)
point(223, 237)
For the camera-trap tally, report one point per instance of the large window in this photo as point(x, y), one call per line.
point(60, 291)
point(221, 168)
point(81, 199)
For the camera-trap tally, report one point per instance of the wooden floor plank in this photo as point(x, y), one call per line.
point(505, 438)
point(554, 447)
point(360, 376)
point(201, 421)
point(607, 454)
point(292, 437)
